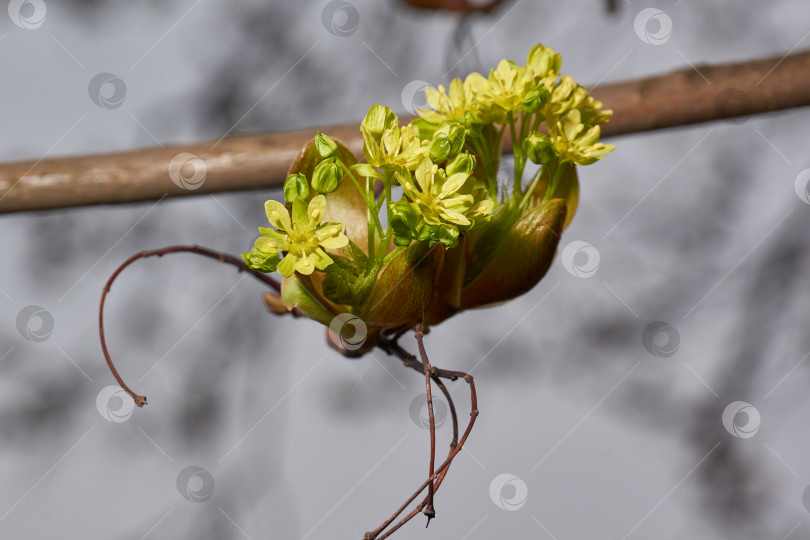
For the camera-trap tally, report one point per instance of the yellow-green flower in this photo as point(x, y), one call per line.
point(436, 207)
point(568, 95)
point(437, 198)
point(387, 145)
point(397, 147)
point(503, 91)
point(448, 105)
point(303, 237)
point(543, 61)
point(575, 143)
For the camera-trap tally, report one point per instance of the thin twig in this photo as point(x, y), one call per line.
point(388, 344)
point(429, 509)
point(409, 360)
point(140, 401)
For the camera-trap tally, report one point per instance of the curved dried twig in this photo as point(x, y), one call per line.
point(140, 401)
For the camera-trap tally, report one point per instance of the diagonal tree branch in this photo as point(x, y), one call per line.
point(259, 161)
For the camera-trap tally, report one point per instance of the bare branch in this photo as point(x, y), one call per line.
point(260, 161)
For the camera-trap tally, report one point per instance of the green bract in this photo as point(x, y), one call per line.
point(456, 238)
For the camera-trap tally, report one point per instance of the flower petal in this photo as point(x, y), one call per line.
point(455, 217)
point(371, 149)
point(300, 217)
point(423, 174)
point(481, 209)
point(271, 241)
point(305, 265)
point(335, 242)
point(453, 184)
point(460, 203)
point(278, 216)
point(331, 236)
point(317, 210)
point(287, 265)
point(321, 259)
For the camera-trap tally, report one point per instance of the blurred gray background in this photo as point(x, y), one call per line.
point(603, 435)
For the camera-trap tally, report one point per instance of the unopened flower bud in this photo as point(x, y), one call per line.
point(327, 176)
point(296, 187)
point(326, 146)
point(539, 148)
point(462, 163)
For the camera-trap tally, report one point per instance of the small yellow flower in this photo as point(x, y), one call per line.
point(448, 105)
point(437, 198)
point(503, 91)
point(568, 95)
point(543, 61)
point(576, 144)
point(397, 147)
point(302, 237)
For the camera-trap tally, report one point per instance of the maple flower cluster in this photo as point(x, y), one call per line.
point(341, 225)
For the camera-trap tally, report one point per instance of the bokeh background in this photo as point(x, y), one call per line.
point(589, 427)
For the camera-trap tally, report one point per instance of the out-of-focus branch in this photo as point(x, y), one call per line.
point(260, 161)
